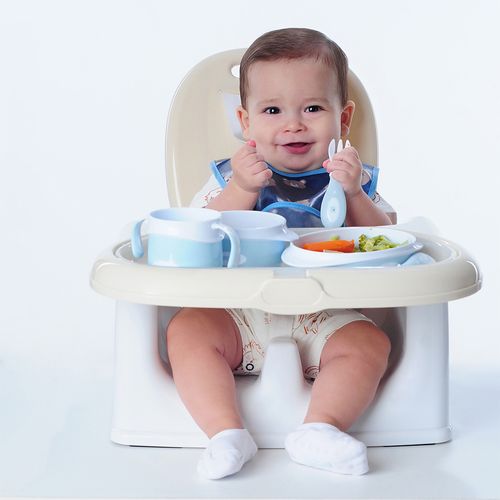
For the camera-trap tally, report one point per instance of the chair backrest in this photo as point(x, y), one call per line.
point(199, 128)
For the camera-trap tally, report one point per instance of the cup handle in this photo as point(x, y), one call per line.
point(234, 254)
point(135, 240)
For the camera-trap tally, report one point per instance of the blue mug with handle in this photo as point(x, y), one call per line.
point(263, 237)
point(185, 237)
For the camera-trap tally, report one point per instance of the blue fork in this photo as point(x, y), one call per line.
point(333, 207)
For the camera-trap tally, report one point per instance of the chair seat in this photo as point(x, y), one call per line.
point(411, 405)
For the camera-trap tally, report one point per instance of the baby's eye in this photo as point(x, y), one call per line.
point(272, 110)
point(313, 109)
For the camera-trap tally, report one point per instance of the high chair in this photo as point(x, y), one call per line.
point(409, 303)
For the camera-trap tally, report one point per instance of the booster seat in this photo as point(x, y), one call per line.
point(411, 405)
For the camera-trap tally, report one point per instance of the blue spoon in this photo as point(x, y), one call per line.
point(333, 206)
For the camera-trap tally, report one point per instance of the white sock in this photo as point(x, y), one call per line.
point(226, 453)
point(324, 446)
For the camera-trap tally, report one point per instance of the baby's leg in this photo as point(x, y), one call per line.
point(351, 366)
point(204, 346)
point(352, 363)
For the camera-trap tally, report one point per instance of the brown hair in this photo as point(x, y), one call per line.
point(295, 43)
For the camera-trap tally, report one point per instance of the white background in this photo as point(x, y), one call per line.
point(85, 88)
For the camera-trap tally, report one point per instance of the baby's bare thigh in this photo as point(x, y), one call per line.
point(199, 328)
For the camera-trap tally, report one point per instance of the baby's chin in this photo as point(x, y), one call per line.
point(296, 163)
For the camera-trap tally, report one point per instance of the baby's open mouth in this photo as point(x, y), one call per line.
point(298, 147)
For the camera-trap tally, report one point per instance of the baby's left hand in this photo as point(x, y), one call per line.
point(346, 168)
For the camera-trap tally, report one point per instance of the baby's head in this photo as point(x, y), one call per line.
point(293, 88)
point(295, 43)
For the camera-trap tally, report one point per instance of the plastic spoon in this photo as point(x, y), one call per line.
point(333, 206)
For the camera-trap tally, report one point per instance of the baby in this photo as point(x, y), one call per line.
point(293, 86)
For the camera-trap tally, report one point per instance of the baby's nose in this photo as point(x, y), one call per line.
point(294, 124)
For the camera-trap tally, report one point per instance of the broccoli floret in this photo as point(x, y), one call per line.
point(379, 242)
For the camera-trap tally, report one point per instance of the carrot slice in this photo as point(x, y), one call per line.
point(346, 246)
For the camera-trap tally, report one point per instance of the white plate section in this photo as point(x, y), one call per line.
point(296, 256)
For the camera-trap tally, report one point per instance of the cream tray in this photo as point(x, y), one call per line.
point(289, 290)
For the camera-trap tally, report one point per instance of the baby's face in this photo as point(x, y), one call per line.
point(293, 111)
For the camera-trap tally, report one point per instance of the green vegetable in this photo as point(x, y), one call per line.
point(379, 242)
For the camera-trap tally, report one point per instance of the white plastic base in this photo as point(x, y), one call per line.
point(411, 405)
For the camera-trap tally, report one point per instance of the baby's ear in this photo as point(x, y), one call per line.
point(242, 115)
point(346, 118)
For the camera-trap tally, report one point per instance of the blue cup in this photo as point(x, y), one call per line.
point(185, 237)
point(263, 237)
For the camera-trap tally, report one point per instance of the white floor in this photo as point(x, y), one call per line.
point(54, 443)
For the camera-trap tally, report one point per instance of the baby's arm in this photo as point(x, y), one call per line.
point(361, 211)
point(250, 175)
point(346, 168)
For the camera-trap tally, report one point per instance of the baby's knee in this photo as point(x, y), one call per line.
point(195, 327)
point(185, 320)
point(179, 330)
point(376, 347)
point(365, 341)
point(380, 346)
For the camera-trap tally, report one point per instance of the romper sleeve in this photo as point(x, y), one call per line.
point(207, 193)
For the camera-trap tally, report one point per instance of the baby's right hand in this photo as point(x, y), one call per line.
point(250, 171)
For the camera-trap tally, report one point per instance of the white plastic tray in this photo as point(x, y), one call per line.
point(288, 290)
